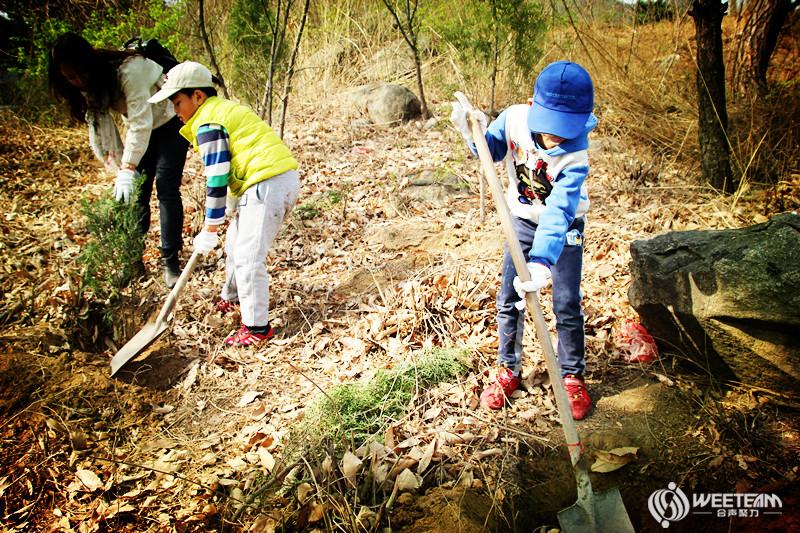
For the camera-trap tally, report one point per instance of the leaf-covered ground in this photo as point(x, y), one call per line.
point(387, 255)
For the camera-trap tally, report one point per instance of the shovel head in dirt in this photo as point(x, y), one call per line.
point(155, 326)
point(144, 338)
point(608, 514)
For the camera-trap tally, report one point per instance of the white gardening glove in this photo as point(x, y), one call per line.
point(540, 277)
point(123, 185)
point(205, 241)
point(458, 116)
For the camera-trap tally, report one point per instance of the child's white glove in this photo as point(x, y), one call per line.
point(123, 185)
point(540, 278)
point(458, 116)
point(205, 242)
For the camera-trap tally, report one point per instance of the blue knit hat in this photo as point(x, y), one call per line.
point(563, 100)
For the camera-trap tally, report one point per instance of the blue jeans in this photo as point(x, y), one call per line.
point(162, 164)
point(566, 304)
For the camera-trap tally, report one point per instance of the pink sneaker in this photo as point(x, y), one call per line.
point(496, 394)
point(245, 337)
point(579, 399)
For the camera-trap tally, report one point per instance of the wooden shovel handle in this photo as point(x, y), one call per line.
point(176, 290)
point(531, 300)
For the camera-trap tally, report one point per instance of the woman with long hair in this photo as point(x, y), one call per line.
point(96, 82)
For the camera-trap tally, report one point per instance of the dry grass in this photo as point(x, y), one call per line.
point(644, 79)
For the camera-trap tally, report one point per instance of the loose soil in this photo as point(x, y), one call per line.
point(386, 255)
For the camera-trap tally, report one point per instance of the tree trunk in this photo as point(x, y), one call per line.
point(287, 87)
point(409, 32)
point(418, 65)
point(207, 43)
point(713, 114)
point(759, 25)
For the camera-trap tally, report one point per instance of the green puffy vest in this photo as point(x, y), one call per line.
point(257, 153)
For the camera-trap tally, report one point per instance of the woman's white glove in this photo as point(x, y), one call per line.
point(540, 278)
point(123, 185)
point(205, 242)
point(458, 116)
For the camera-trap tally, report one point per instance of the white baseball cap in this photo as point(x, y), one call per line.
point(186, 75)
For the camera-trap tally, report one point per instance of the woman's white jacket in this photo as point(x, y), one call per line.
point(139, 78)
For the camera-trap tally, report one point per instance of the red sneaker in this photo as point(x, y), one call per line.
point(495, 395)
point(579, 399)
point(224, 307)
point(245, 337)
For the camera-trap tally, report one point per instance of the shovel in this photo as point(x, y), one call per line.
point(594, 511)
point(154, 327)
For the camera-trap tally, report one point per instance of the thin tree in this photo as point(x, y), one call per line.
point(209, 49)
point(282, 11)
point(407, 19)
point(287, 82)
point(713, 114)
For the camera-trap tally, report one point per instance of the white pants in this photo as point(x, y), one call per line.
point(261, 211)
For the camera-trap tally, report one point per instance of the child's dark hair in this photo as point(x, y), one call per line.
point(209, 91)
point(99, 66)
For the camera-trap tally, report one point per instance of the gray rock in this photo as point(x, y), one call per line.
point(729, 300)
point(382, 103)
point(438, 188)
point(391, 104)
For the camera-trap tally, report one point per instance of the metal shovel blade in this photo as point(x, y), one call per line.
point(144, 338)
point(610, 515)
point(155, 326)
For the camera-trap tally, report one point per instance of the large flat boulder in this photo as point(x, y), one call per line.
point(729, 300)
point(385, 104)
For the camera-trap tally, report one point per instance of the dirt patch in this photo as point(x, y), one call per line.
point(442, 510)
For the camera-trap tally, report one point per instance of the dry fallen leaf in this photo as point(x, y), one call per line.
point(89, 480)
point(317, 512)
point(426, 457)
point(407, 481)
point(263, 524)
point(304, 490)
point(267, 460)
point(608, 461)
point(248, 398)
point(350, 467)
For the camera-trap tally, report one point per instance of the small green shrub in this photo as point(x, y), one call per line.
point(316, 205)
point(358, 412)
point(116, 245)
point(650, 11)
point(307, 210)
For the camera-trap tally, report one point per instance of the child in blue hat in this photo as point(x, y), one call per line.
point(544, 146)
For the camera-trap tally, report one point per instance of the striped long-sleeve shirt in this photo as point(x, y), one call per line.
point(212, 141)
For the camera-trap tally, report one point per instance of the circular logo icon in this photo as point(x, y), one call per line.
point(668, 505)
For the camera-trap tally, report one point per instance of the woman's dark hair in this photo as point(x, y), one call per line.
point(210, 91)
point(99, 66)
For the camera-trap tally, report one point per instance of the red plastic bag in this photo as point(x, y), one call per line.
point(635, 343)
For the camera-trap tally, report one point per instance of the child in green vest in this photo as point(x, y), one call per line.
point(246, 160)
